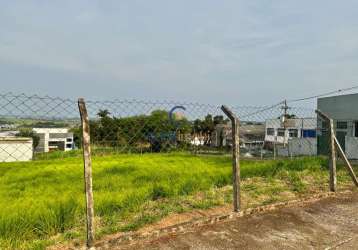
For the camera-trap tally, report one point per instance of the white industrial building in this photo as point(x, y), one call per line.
point(52, 139)
point(342, 109)
point(15, 149)
point(293, 136)
point(281, 132)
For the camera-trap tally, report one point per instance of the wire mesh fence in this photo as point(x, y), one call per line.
point(36, 127)
point(143, 127)
point(150, 158)
point(31, 126)
point(279, 131)
point(52, 124)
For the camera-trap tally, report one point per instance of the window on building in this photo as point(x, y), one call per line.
point(309, 133)
point(53, 143)
point(281, 132)
point(69, 139)
point(56, 145)
point(270, 131)
point(342, 125)
point(293, 133)
point(68, 145)
point(324, 126)
point(356, 129)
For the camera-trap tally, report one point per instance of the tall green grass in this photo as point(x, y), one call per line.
point(44, 198)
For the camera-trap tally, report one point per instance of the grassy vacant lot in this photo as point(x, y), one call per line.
point(42, 202)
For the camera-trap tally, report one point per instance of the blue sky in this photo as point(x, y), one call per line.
point(236, 52)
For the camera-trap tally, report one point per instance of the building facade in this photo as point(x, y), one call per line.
point(52, 139)
point(292, 136)
point(280, 132)
point(343, 110)
point(251, 135)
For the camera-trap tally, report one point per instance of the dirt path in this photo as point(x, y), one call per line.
point(330, 223)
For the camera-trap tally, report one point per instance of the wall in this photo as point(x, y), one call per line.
point(303, 146)
point(52, 135)
point(340, 107)
point(299, 147)
point(299, 124)
point(15, 149)
point(352, 147)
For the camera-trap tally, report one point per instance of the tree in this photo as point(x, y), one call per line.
point(206, 127)
point(156, 129)
point(77, 136)
point(219, 119)
point(197, 127)
point(102, 113)
point(29, 133)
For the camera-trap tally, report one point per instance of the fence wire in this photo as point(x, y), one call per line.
point(149, 158)
point(140, 127)
point(279, 131)
point(32, 126)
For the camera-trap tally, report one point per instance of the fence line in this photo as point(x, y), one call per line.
point(334, 143)
point(34, 128)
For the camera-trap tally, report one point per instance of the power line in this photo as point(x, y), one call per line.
point(263, 110)
point(325, 94)
point(298, 100)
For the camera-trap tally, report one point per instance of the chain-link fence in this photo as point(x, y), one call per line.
point(279, 131)
point(265, 132)
point(33, 125)
point(153, 127)
point(150, 158)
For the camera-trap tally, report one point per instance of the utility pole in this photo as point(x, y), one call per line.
point(285, 109)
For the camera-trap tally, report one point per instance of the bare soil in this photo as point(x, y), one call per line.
point(329, 223)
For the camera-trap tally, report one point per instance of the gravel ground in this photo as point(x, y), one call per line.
point(330, 223)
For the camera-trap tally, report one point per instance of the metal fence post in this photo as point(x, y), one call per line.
point(235, 157)
point(332, 152)
point(87, 172)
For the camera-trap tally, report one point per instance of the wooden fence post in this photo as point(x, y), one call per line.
point(235, 157)
point(87, 172)
point(346, 161)
point(332, 153)
point(333, 158)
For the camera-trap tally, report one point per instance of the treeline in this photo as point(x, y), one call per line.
point(155, 131)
